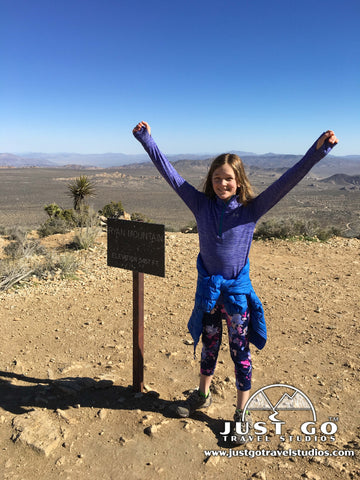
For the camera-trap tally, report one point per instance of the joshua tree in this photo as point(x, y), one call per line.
point(79, 189)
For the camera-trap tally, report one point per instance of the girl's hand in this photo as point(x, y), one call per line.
point(327, 136)
point(140, 125)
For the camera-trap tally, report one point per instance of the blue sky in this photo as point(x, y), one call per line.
point(209, 76)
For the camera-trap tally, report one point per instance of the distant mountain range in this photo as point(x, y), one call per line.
point(342, 179)
point(330, 165)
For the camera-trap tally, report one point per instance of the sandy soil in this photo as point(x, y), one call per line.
point(67, 408)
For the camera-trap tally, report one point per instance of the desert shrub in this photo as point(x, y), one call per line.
point(65, 265)
point(112, 210)
point(23, 255)
point(87, 234)
point(84, 215)
point(53, 226)
point(23, 248)
point(294, 228)
point(68, 215)
point(140, 217)
point(325, 234)
point(17, 233)
point(191, 228)
point(26, 257)
point(85, 238)
point(171, 228)
point(53, 210)
point(60, 220)
point(12, 272)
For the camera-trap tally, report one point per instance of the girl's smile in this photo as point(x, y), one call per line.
point(224, 182)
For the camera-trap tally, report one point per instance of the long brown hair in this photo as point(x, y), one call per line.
point(245, 192)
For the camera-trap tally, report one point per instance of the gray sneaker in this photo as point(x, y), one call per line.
point(195, 401)
point(239, 438)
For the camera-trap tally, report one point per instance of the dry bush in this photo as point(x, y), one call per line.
point(294, 228)
point(26, 257)
point(63, 265)
point(13, 272)
point(88, 232)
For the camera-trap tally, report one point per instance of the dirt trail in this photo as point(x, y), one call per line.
point(90, 424)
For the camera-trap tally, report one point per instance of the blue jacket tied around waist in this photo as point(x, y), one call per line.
point(237, 295)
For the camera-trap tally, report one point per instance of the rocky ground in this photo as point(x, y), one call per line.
point(67, 407)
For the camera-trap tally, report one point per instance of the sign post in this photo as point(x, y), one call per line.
point(139, 247)
point(138, 331)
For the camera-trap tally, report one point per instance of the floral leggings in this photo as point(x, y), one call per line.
point(238, 340)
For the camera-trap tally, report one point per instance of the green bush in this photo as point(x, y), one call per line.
point(112, 210)
point(60, 220)
point(53, 226)
point(140, 217)
point(53, 210)
point(294, 228)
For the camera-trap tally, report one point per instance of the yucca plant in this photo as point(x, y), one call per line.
point(79, 189)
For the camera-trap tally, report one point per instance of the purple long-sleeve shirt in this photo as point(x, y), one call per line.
point(226, 229)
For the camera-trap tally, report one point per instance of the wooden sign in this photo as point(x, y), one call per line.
point(139, 247)
point(136, 246)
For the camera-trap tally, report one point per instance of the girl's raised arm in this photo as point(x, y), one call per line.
point(189, 194)
point(276, 191)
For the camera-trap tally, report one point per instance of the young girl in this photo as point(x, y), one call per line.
point(226, 214)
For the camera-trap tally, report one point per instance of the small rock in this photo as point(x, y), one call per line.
point(37, 430)
point(151, 430)
point(171, 354)
point(60, 461)
point(211, 461)
point(102, 414)
point(260, 475)
point(62, 414)
point(311, 476)
point(145, 418)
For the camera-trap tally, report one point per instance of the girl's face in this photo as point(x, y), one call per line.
point(224, 182)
